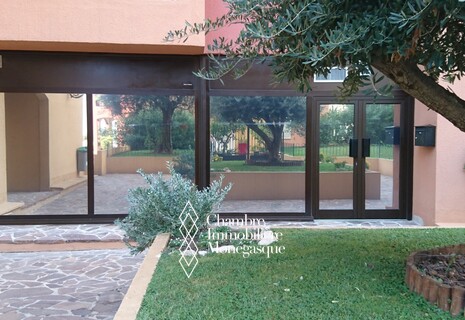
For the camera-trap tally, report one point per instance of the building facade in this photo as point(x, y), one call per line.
point(62, 60)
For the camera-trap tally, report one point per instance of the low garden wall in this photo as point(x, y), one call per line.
point(105, 165)
point(383, 166)
point(446, 297)
point(291, 185)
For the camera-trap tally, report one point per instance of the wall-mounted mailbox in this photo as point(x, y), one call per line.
point(392, 135)
point(425, 136)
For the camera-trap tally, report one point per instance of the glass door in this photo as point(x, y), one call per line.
point(335, 166)
point(359, 152)
point(382, 164)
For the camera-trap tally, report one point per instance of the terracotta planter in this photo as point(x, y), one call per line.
point(447, 298)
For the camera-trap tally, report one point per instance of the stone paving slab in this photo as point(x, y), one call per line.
point(50, 234)
point(332, 224)
point(65, 285)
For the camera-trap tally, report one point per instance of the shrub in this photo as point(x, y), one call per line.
point(184, 163)
point(183, 130)
point(340, 165)
point(156, 208)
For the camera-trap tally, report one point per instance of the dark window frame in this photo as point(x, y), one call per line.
point(52, 72)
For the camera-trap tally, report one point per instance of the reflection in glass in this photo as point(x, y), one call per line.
point(45, 159)
point(335, 165)
point(258, 144)
point(382, 167)
point(139, 132)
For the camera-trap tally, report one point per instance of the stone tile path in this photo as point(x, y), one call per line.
point(65, 285)
point(344, 224)
point(87, 284)
point(60, 233)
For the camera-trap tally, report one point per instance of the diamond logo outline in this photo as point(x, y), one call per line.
point(188, 244)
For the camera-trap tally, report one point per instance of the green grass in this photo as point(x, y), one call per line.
point(376, 151)
point(295, 151)
point(139, 153)
point(322, 274)
point(240, 166)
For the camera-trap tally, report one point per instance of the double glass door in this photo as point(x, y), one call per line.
point(360, 148)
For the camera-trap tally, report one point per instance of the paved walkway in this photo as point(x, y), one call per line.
point(47, 234)
point(344, 224)
point(79, 284)
point(65, 285)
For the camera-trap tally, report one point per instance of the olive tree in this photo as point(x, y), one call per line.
point(414, 43)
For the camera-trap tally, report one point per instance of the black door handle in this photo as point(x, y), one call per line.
point(366, 147)
point(353, 148)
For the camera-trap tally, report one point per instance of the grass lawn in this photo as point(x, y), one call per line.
point(239, 165)
point(140, 153)
point(322, 274)
point(376, 151)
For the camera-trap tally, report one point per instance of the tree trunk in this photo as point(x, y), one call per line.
point(412, 80)
point(275, 147)
point(273, 144)
point(274, 152)
point(166, 145)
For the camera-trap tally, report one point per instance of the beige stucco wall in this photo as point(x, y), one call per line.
point(3, 189)
point(99, 26)
point(65, 135)
point(26, 116)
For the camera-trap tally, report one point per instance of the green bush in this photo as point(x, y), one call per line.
point(184, 163)
point(156, 208)
point(142, 129)
point(340, 165)
point(183, 130)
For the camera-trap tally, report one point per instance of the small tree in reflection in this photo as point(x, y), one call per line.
point(266, 116)
point(155, 134)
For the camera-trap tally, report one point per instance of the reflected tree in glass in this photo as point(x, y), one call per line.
point(148, 120)
point(265, 116)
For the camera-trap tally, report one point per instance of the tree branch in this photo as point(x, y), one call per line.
point(266, 139)
point(411, 79)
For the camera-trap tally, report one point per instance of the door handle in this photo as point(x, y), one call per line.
point(353, 148)
point(366, 147)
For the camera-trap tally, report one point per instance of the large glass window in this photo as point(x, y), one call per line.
point(46, 149)
point(258, 144)
point(46, 157)
point(139, 132)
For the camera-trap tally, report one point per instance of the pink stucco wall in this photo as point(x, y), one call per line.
point(450, 175)
point(103, 25)
point(439, 177)
point(214, 9)
point(424, 170)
